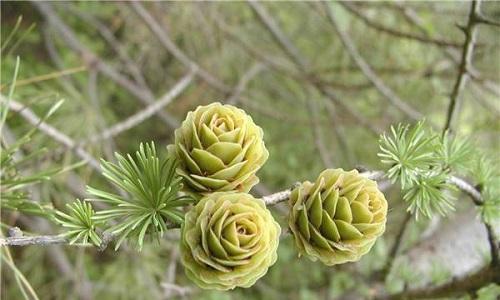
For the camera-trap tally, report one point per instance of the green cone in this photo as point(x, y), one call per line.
point(338, 218)
point(228, 240)
point(220, 149)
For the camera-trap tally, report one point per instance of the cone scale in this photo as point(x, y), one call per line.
point(220, 149)
point(228, 240)
point(338, 218)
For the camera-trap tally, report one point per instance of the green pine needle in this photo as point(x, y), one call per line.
point(80, 223)
point(13, 182)
point(429, 194)
point(455, 153)
point(152, 203)
point(487, 175)
point(409, 152)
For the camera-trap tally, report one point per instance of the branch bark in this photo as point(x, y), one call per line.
point(41, 240)
point(470, 31)
point(143, 94)
point(165, 40)
point(456, 287)
point(52, 132)
point(302, 65)
point(147, 112)
point(395, 247)
point(397, 33)
point(367, 70)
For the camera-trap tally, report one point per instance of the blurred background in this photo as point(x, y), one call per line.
point(323, 80)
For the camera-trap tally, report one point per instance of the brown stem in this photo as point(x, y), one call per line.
point(467, 284)
point(470, 31)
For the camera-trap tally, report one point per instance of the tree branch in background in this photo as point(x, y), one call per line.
point(52, 132)
point(165, 40)
point(412, 17)
point(49, 76)
point(147, 112)
point(369, 72)
point(253, 71)
point(317, 132)
point(278, 35)
point(467, 284)
point(349, 158)
point(470, 31)
point(395, 247)
point(113, 42)
point(301, 63)
point(401, 34)
point(145, 95)
point(172, 48)
point(108, 145)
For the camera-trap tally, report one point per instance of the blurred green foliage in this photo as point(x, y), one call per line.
point(227, 39)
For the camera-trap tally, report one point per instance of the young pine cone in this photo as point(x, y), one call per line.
point(220, 149)
point(228, 240)
point(338, 218)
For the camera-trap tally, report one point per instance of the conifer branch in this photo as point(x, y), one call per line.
point(42, 240)
point(397, 33)
point(145, 95)
point(470, 31)
point(51, 131)
point(466, 284)
point(368, 71)
point(395, 247)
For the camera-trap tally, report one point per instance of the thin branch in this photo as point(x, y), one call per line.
point(412, 17)
point(147, 112)
point(269, 200)
point(278, 35)
point(301, 63)
point(455, 56)
point(277, 197)
point(110, 38)
point(165, 40)
point(494, 246)
point(93, 94)
point(242, 84)
point(478, 200)
point(467, 188)
point(317, 132)
point(170, 46)
point(143, 94)
point(465, 70)
point(480, 18)
point(394, 32)
point(340, 134)
point(176, 290)
point(276, 64)
point(49, 76)
point(373, 175)
point(51, 131)
point(367, 70)
point(42, 240)
point(470, 31)
point(469, 283)
point(395, 247)
point(170, 288)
